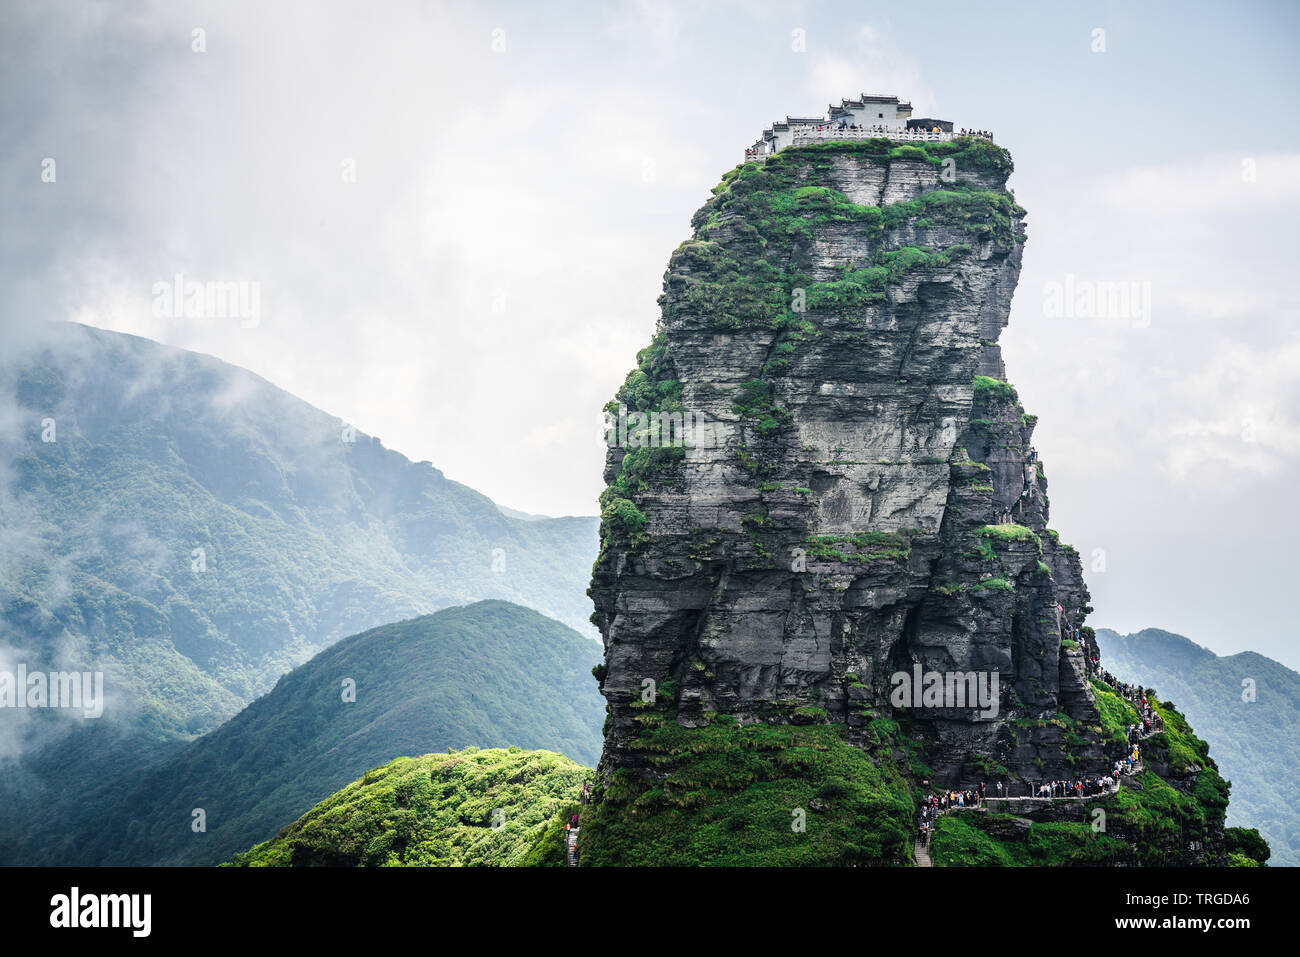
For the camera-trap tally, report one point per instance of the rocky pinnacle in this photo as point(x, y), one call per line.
point(842, 516)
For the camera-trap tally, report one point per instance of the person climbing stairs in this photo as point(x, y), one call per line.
point(921, 852)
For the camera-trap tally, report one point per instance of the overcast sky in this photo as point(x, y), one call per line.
point(522, 171)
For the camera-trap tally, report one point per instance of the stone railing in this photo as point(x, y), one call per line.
point(810, 134)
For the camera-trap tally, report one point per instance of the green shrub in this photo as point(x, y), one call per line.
point(622, 517)
point(988, 388)
point(1247, 842)
point(1011, 533)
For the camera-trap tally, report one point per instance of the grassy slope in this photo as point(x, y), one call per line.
point(971, 841)
point(490, 674)
point(733, 795)
point(461, 808)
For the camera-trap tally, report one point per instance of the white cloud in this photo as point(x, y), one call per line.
point(1217, 254)
point(1204, 186)
point(478, 294)
point(877, 63)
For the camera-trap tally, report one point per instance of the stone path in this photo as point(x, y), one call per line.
point(921, 851)
point(922, 854)
point(572, 835)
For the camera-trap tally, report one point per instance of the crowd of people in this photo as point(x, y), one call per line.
point(1087, 787)
point(935, 804)
point(571, 826)
point(887, 131)
point(971, 797)
point(845, 125)
point(925, 823)
point(571, 839)
point(1149, 721)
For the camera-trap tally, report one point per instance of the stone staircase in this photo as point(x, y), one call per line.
point(572, 846)
point(921, 852)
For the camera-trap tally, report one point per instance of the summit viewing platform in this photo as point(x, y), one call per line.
point(864, 118)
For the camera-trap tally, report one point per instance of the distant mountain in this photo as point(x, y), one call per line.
point(490, 674)
point(1254, 742)
point(194, 532)
point(467, 807)
point(523, 516)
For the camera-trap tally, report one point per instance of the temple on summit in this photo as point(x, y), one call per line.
point(864, 117)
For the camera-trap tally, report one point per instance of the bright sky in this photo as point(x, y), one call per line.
point(522, 172)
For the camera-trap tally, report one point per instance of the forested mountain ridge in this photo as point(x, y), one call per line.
point(194, 532)
point(490, 675)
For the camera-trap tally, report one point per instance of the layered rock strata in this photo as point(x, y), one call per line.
point(864, 499)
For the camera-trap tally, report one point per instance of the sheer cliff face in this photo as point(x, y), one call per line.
point(833, 321)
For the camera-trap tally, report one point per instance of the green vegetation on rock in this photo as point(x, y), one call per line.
point(987, 388)
point(966, 152)
point(461, 808)
point(1000, 840)
point(749, 266)
point(861, 547)
point(1151, 821)
point(1010, 533)
point(729, 794)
